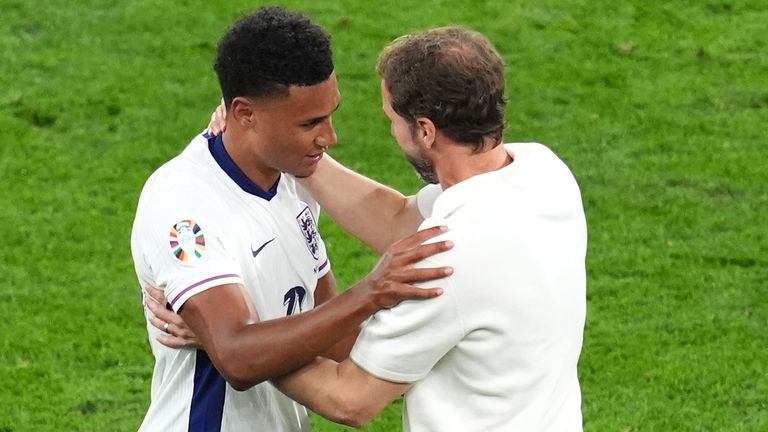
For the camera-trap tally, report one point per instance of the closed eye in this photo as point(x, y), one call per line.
point(314, 122)
point(309, 124)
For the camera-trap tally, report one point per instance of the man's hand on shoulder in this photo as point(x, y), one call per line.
point(391, 281)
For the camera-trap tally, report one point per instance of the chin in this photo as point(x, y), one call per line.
point(304, 173)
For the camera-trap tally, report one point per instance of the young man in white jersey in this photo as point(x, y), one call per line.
point(233, 243)
point(498, 351)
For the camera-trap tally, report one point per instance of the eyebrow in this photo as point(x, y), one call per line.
point(321, 118)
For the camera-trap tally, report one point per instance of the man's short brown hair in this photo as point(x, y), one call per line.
point(451, 75)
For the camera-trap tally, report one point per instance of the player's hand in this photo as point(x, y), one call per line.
point(391, 281)
point(176, 334)
point(218, 123)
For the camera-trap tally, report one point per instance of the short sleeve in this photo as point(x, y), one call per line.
point(425, 199)
point(402, 344)
point(179, 246)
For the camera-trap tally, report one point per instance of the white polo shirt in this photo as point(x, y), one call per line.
point(202, 223)
point(498, 350)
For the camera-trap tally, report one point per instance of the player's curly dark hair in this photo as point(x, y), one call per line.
point(266, 51)
point(451, 75)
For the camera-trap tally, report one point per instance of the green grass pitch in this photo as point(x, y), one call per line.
point(659, 107)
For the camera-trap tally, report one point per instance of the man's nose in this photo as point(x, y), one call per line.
point(327, 137)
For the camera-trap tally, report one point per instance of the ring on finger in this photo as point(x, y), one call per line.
point(165, 327)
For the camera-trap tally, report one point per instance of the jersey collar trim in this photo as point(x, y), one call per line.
point(220, 155)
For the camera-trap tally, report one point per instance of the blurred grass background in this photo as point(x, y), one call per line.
point(660, 109)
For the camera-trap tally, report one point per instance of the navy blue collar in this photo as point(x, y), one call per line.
point(220, 155)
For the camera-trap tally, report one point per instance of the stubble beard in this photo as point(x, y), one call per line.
point(424, 168)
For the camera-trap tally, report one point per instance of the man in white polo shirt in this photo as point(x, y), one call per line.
point(498, 351)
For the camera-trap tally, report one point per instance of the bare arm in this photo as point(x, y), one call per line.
point(342, 392)
point(374, 213)
point(247, 351)
point(176, 333)
point(331, 389)
point(325, 291)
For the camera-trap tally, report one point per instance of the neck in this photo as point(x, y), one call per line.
point(460, 162)
point(248, 160)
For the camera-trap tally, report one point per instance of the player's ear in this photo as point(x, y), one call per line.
point(425, 132)
point(243, 111)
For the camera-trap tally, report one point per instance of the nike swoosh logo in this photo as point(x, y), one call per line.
point(257, 251)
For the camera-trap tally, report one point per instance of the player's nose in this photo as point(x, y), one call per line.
point(327, 137)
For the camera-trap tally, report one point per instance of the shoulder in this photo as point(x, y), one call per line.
point(184, 188)
point(174, 188)
point(426, 197)
point(184, 167)
point(189, 174)
point(532, 157)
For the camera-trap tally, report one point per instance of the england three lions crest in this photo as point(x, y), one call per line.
point(309, 229)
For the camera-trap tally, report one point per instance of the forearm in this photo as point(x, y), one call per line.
point(316, 386)
point(251, 352)
point(324, 292)
point(340, 351)
point(341, 392)
point(374, 213)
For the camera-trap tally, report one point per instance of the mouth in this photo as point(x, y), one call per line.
point(315, 157)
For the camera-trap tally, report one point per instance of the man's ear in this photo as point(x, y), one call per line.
point(243, 111)
point(426, 132)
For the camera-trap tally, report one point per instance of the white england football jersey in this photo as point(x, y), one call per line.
point(201, 223)
point(497, 352)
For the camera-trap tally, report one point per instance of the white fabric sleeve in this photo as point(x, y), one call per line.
point(425, 199)
point(402, 344)
point(183, 246)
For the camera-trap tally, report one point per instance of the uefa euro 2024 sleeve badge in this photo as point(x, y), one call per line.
point(187, 241)
point(309, 229)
